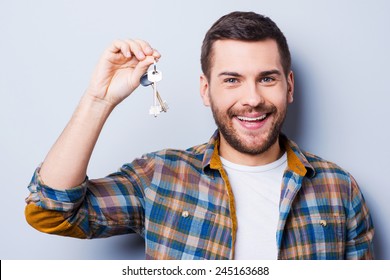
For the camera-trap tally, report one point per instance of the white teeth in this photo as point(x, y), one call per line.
point(252, 119)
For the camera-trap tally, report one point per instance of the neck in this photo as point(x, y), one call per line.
point(232, 155)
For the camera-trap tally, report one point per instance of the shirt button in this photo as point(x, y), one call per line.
point(323, 223)
point(185, 214)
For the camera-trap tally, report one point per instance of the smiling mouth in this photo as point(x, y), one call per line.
point(249, 119)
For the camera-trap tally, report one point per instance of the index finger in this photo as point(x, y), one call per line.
point(144, 49)
point(120, 46)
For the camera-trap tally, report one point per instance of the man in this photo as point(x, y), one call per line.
point(249, 193)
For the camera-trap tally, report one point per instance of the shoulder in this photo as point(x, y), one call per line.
point(319, 171)
point(316, 167)
point(194, 152)
point(324, 167)
point(193, 156)
point(329, 178)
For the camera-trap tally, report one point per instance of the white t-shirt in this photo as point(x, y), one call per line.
point(256, 192)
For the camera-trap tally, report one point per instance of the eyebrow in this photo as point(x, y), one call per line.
point(233, 74)
point(261, 74)
point(270, 72)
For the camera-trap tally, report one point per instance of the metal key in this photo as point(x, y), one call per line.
point(163, 104)
point(145, 82)
point(151, 78)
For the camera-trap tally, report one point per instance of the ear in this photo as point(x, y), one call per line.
point(290, 87)
point(205, 90)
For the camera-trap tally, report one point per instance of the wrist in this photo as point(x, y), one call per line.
point(92, 112)
point(90, 100)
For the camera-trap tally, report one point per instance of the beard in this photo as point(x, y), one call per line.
point(254, 143)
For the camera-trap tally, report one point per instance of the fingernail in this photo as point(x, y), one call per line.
point(128, 54)
point(141, 55)
point(156, 54)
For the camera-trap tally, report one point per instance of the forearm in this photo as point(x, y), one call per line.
point(66, 164)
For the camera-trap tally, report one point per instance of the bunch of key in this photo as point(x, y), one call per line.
point(151, 78)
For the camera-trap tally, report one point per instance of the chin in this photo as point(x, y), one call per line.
point(253, 146)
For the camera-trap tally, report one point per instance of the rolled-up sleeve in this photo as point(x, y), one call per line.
point(97, 208)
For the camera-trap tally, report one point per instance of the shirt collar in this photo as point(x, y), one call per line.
point(211, 159)
point(296, 160)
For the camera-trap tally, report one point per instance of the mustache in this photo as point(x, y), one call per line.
point(269, 109)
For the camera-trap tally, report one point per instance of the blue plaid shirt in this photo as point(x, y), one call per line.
point(182, 204)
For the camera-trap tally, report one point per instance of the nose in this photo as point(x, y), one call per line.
point(252, 95)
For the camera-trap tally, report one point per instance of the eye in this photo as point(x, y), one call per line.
point(231, 80)
point(267, 80)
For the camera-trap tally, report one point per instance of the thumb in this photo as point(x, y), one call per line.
point(141, 68)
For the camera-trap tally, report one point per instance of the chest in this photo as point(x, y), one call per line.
point(312, 223)
point(188, 218)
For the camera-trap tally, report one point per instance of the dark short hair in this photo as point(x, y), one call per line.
point(244, 26)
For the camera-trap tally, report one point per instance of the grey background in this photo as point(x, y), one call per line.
point(48, 50)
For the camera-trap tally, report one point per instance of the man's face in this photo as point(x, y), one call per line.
point(248, 93)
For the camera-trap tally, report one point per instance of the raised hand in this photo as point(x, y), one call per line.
point(119, 70)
